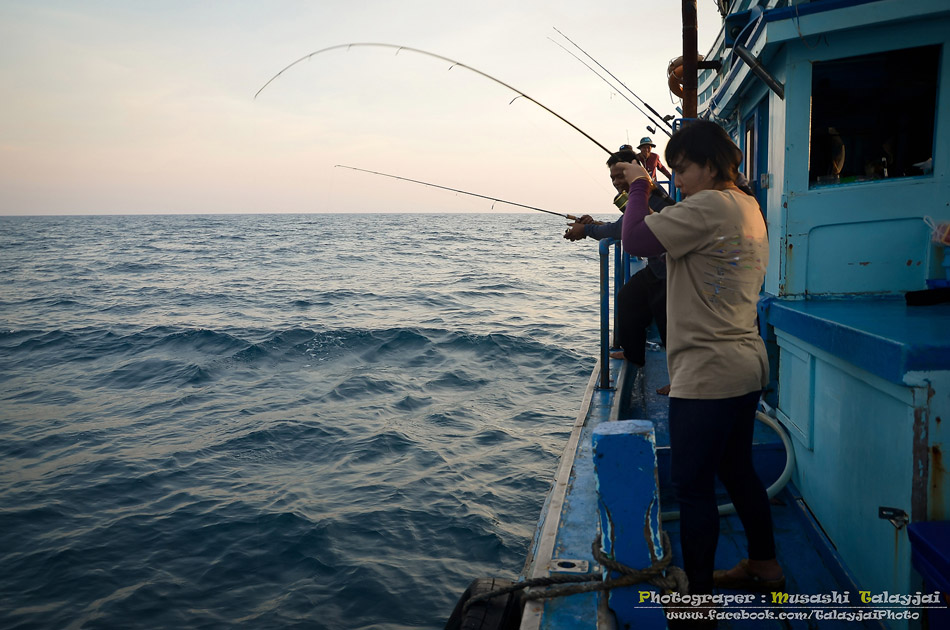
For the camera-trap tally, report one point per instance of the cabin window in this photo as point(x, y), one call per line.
point(873, 116)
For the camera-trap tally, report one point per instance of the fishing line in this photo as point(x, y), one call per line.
point(604, 79)
point(454, 64)
point(464, 192)
point(647, 105)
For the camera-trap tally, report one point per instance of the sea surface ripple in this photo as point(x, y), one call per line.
point(279, 421)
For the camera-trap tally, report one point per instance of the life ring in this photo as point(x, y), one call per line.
point(674, 75)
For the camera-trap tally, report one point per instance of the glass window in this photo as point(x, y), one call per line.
point(873, 116)
point(749, 159)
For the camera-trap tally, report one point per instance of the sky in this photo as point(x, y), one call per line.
point(148, 107)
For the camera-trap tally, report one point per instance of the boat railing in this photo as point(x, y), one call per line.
point(621, 273)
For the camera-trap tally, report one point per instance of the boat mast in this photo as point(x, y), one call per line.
point(690, 53)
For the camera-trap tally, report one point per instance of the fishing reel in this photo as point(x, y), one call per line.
point(621, 200)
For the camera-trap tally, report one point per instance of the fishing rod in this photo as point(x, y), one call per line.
point(602, 78)
point(647, 105)
point(416, 181)
point(454, 64)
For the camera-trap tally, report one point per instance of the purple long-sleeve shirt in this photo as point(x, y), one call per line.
point(637, 238)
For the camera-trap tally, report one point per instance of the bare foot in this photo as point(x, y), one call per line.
point(664, 391)
point(762, 569)
point(752, 575)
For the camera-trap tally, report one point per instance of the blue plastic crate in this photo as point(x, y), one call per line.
point(930, 555)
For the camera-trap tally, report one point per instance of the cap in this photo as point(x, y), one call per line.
point(646, 140)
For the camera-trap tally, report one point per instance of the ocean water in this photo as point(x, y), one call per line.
point(279, 421)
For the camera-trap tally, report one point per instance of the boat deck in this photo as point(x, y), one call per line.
point(811, 564)
point(810, 567)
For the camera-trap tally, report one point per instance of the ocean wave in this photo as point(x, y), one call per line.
point(151, 372)
point(285, 440)
point(165, 356)
point(201, 340)
point(135, 267)
point(41, 346)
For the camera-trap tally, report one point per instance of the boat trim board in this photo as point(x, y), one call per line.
point(547, 536)
point(539, 563)
point(548, 533)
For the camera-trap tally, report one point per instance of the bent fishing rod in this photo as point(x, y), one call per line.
point(647, 105)
point(454, 64)
point(416, 181)
point(604, 79)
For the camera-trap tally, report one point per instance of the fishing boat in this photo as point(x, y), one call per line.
point(840, 109)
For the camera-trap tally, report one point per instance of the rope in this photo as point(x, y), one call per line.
point(674, 580)
point(562, 585)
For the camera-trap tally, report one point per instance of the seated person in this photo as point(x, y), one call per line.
point(642, 300)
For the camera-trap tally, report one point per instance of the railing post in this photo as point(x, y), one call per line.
point(605, 313)
point(618, 283)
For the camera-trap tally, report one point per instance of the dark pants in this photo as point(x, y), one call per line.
point(710, 437)
point(641, 301)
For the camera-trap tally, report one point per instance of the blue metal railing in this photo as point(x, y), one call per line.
point(621, 275)
point(605, 312)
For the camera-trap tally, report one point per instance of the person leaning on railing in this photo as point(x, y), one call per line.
point(716, 248)
point(642, 299)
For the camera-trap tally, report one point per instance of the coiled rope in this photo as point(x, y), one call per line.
point(562, 585)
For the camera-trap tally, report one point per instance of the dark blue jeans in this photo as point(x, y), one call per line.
point(710, 438)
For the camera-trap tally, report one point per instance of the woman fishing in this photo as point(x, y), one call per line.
point(717, 250)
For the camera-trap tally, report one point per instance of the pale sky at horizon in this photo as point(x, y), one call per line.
point(115, 107)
